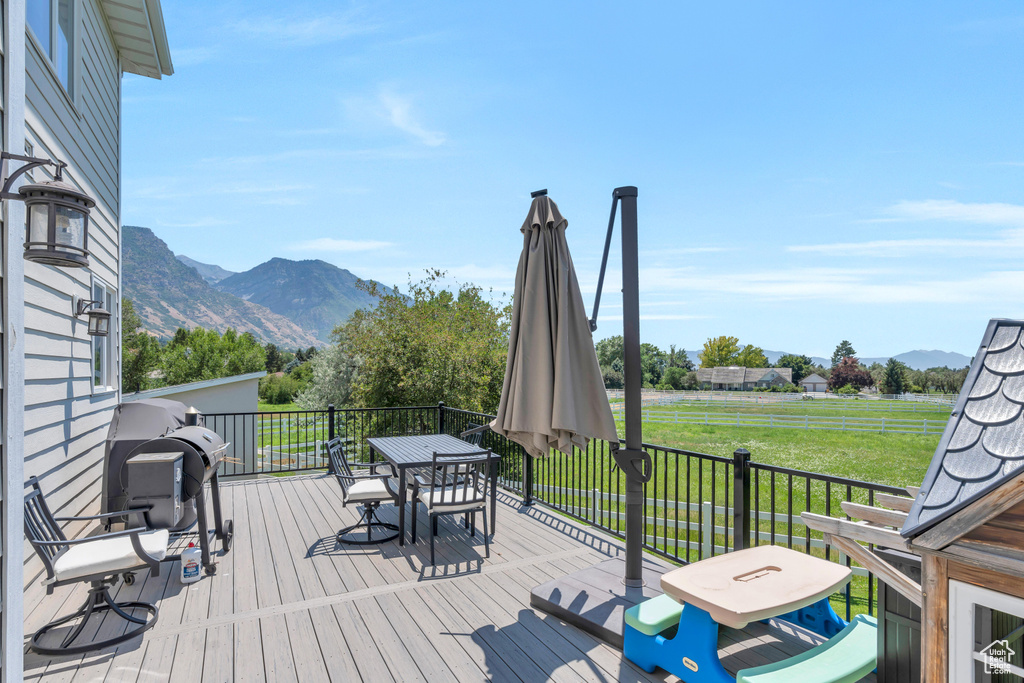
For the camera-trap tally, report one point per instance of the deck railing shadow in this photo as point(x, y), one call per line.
point(696, 505)
point(548, 655)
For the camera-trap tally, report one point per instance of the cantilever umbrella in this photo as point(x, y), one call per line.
point(553, 396)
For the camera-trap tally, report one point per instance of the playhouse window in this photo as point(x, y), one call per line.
point(986, 635)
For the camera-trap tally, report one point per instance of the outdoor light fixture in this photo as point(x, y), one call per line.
point(99, 318)
point(56, 231)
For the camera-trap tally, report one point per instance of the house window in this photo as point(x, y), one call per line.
point(985, 635)
point(104, 360)
point(52, 24)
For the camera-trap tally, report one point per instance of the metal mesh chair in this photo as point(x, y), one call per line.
point(465, 497)
point(99, 560)
point(368, 490)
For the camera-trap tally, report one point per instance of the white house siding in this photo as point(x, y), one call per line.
point(65, 422)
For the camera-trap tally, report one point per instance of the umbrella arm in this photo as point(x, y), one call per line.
point(636, 464)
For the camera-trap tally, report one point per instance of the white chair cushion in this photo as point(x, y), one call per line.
point(108, 555)
point(367, 490)
point(451, 501)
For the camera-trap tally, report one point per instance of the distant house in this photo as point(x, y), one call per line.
point(814, 382)
point(734, 378)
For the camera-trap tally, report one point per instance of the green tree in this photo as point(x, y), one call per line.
point(652, 363)
point(609, 351)
point(140, 352)
point(274, 360)
point(895, 380)
point(675, 377)
point(678, 358)
point(332, 374)
point(751, 356)
point(719, 352)
point(201, 354)
point(428, 346)
point(844, 350)
point(800, 365)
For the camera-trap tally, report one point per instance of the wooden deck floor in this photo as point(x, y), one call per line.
point(288, 604)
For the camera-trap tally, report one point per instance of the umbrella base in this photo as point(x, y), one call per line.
point(595, 599)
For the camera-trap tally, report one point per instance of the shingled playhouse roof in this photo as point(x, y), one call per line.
point(983, 445)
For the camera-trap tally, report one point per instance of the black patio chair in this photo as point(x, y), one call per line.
point(476, 438)
point(466, 497)
point(368, 490)
point(99, 560)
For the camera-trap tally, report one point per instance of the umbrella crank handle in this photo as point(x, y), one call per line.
point(636, 464)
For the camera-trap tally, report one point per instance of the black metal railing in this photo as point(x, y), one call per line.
point(696, 505)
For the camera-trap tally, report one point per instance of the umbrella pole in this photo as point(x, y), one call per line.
point(634, 461)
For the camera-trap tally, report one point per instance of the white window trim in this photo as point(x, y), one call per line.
point(963, 598)
point(113, 365)
point(73, 83)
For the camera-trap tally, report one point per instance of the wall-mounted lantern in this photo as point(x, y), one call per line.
point(56, 231)
point(99, 318)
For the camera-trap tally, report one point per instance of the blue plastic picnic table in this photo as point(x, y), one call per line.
point(732, 590)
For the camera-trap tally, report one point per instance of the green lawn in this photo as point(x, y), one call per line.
point(276, 407)
point(893, 459)
point(816, 408)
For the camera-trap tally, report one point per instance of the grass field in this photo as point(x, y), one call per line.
point(819, 408)
point(276, 407)
point(893, 459)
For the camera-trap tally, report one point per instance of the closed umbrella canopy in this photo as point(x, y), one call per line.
point(553, 395)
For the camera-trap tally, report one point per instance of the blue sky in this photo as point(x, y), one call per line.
point(808, 172)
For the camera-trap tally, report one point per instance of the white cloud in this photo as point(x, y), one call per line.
point(947, 210)
point(399, 111)
point(335, 245)
point(999, 246)
point(837, 285)
point(393, 110)
point(305, 31)
point(935, 210)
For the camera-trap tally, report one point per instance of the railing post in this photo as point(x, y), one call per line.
point(741, 498)
point(707, 546)
point(330, 435)
point(440, 417)
point(527, 478)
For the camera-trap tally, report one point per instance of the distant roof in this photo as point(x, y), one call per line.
point(983, 445)
point(814, 378)
point(178, 388)
point(137, 27)
point(737, 375)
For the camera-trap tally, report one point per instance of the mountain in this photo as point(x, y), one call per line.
point(210, 273)
point(922, 360)
point(315, 294)
point(169, 294)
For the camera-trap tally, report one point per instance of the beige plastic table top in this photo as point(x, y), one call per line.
point(754, 584)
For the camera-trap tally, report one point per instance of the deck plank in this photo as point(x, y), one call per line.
point(289, 603)
point(277, 653)
point(244, 576)
point(248, 652)
point(341, 666)
point(218, 659)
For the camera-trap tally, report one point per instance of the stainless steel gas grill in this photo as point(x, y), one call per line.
point(167, 472)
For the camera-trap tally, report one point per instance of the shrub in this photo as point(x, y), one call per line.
point(848, 390)
point(276, 389)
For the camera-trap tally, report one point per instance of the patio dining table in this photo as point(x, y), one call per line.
point(408, 453)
